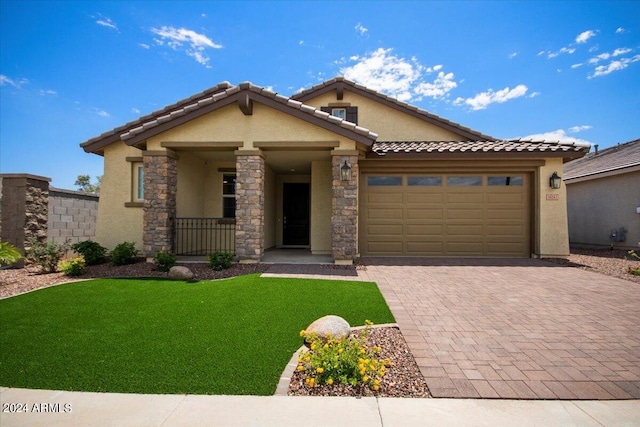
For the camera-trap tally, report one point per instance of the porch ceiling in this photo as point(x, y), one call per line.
point(281, 162)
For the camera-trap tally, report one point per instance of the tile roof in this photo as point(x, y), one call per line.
point(485, 146)
point(617, 158)
point(98, 142)
point(412, 109)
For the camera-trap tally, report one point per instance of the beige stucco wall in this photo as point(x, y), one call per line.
point(321, 192)
point(553, 235)
point(269, 208)
point(191, 182)
point(597, 206)
point(389, 123)
point(229, 124)
point(117, 223)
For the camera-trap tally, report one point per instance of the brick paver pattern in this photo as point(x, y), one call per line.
point(517, 329)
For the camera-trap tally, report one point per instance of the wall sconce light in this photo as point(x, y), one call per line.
point(345, 172)
point(555, 181)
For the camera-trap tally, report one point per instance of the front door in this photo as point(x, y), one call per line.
point(295, 222)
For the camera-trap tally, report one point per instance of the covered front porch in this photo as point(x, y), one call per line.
point(268, 204)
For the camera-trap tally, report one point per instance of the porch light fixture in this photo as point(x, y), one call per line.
point(345, 172)
point(555, 181)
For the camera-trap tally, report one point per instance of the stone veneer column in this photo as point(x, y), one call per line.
point(160, 183)
point(344, 216)
point(25, 209)
point(249, 205)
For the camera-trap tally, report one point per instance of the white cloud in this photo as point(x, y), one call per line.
point(617, 65)
point(46, 92)
point(442, 85)
point(144, 45)
point(106, 22)
point(301, 42)
point(576, 65)
point(100, 113)
point(134, 110)
point(584, 36)
point(533, 94)
point(621, 51)
point(513, 55)
point(384, 72)
point(542, 52)
point(620, 30)
point(361, 29)
point(576, 129)
point(598, 58)
point(555, 135)
point(4, 80)
point(483, 99)
point(594, 48)
point(568, 50)
point(175, 38)
point(398, 77)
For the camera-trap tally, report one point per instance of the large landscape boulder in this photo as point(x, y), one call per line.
point(180, 272)
point(336, 326)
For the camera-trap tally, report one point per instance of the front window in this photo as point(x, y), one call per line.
point(229, 195)
point(138, 182)
point(339, 112)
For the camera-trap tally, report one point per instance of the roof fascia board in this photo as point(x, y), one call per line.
point(472, 155)
point(340, 86)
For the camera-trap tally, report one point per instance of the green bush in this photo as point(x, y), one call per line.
point(124, 253)
point(72, 267)
point(93, 252)
point(164, 260)
point(344, 360)
point(220, 260)
point(634, 271)
point(9, 254)
point(46, 255)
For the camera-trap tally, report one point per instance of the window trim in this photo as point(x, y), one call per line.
point(135, 202)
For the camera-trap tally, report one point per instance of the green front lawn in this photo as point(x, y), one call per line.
point(231, 336)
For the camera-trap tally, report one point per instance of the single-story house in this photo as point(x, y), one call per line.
point(338, 169)
point(603, 197)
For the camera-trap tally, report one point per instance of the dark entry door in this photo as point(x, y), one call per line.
point(295, 221)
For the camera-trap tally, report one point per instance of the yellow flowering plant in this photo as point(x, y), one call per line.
point(342, 360)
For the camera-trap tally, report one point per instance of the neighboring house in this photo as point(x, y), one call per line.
point(245, 169)
point(603, 197)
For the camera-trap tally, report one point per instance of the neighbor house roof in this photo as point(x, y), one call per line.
point(340, 83)
point(618, 159)
point(515, 146)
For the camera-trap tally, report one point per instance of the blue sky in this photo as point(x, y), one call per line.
point(548, 70)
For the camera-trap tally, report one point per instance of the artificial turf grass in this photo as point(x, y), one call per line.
point(229, 336)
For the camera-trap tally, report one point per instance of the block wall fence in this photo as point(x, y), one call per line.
point(31, 208)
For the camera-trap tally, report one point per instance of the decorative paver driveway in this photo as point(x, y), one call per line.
point(523, 329)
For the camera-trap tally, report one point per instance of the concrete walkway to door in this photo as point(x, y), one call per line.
point(516, 329)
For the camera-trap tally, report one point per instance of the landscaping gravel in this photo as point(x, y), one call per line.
point(402, 379)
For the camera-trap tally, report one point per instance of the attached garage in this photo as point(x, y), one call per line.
point(439, 214)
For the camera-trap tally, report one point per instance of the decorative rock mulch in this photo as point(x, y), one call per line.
point(402, 379)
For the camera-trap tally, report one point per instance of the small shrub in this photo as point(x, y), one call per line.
point(164, 260)
point(46, 255)
point(346, 361)
point(220, 260)
point(92, 252)
point(9, 254)
point(72, 267)
point(124, 253)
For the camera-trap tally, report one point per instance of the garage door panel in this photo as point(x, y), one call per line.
point(384, 213)
point(414, 230)
point(461, 220)
point(425, 248)
point(433, 213)
point(384, 229)
point(385, 198)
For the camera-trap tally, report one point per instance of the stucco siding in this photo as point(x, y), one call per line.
point(190, 195)
point(389, 123)
point(597, 206)
point(229, 124)
point(117, 223)
point(552, 206)
point(269, 208)
point(321, 182)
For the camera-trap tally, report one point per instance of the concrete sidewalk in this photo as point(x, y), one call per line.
point(122, 410)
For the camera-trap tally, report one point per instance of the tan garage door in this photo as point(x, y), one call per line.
point(446, 215)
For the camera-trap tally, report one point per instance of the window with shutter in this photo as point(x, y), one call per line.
point(349, 114)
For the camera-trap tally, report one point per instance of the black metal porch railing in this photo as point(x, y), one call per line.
point(204, 236)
